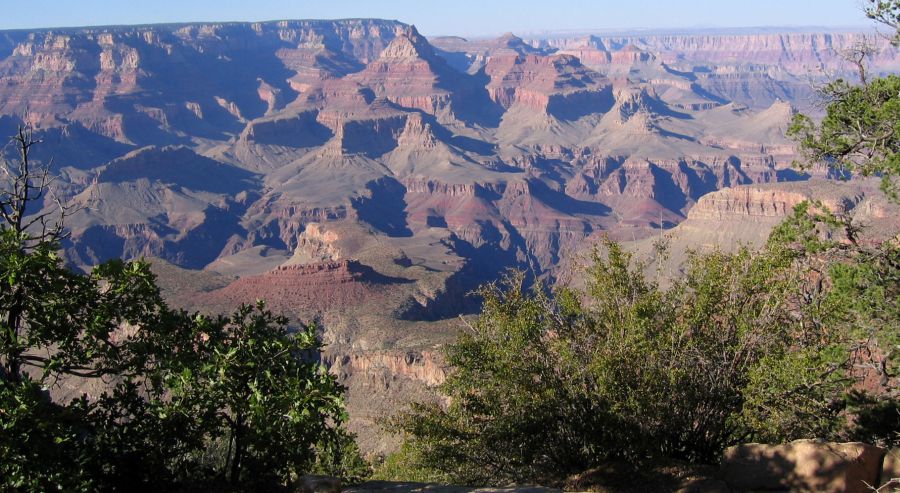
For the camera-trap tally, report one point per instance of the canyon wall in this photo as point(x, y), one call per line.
point(357, 173)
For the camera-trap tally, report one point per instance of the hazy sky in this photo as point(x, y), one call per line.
point(461, 17)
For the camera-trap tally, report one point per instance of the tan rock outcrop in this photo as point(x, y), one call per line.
point(423, 366)
point(803, 466)
point(889, 480)
point(746, 202)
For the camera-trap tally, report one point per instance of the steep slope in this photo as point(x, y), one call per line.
point(298, 290)
point(558, 85)
point(162, 202)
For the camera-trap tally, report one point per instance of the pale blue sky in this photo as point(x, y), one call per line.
point(437, 17)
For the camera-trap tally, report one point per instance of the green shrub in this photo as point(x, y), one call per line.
point(742, 346)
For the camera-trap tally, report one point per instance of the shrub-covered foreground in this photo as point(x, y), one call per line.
point(178, 400)
point(186, 400)
point(748, 346)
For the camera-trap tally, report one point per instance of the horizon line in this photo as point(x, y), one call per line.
point(500, 32)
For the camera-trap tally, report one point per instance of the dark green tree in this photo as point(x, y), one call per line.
point(860, 132)
point(264, 393)
point(57, 326)
point(169, 386)
point(887, 12)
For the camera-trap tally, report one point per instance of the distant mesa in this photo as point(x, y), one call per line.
point(306, 288)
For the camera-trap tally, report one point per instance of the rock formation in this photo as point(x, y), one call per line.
point(302, 289)
point(803, 465)
point(357, 172)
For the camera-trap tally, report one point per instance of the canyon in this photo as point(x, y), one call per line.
point(356, 173)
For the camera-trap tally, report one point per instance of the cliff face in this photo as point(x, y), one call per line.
point(193, 78)
point(793, 50)
point(769, 204)
point(745, 216)
point(535, 80)
point(746, 203)
point(754, 69)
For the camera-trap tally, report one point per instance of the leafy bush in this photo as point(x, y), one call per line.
point(186, 401)
point(743, 346)
point(177, 384)
point(40, 443)
point(261, 388)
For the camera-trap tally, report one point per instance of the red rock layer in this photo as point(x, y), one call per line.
point(301, 289)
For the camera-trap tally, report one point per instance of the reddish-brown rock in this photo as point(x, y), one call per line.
point(305, 288)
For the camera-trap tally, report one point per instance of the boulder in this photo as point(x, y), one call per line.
point(890, 471)
point(318, 484)
point(803, 466)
